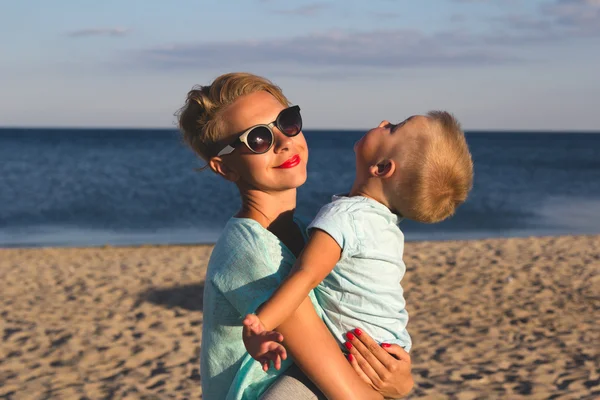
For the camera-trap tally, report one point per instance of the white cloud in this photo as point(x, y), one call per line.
point(309, 10)
point(355, 52)
point(99, 32)
point(558, 20)
point(580, 15)
point(383, 49)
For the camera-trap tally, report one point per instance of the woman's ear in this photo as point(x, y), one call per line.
point(219, 167)
point(383, 169)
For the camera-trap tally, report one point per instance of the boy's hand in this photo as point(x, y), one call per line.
point(263, 345)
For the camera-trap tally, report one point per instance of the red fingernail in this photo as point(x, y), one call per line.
point(386, 345)
point(348, 345)
point(358, 332)
point(350, 357)
point(350, 336)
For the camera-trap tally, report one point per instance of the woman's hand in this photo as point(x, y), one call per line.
point(318, 355)
point(385, 368)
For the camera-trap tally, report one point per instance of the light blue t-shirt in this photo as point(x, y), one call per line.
point(247, 264)
point(363, 290)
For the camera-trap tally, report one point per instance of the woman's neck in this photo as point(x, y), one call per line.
point(275, 212)
point(268, 209)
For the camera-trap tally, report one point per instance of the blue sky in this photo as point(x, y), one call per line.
point(504, 64)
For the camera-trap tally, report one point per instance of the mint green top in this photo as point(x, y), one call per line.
point(246, 266)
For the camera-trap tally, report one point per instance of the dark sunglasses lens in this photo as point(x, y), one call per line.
point(290, 122)
point(259, 139)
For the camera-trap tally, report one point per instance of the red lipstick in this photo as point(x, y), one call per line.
point(292, 162)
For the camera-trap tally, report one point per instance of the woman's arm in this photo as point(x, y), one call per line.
point(316, 352)
point(385, 368)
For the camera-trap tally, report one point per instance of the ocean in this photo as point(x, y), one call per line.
point(91, 187)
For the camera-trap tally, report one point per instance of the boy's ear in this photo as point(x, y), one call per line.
point(220, 168)
point(383, 169)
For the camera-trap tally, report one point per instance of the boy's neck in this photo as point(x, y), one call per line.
point(371, 188)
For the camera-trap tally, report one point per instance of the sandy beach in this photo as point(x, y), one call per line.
point(490, 319)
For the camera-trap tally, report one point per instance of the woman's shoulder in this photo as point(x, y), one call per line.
point(240, 235)
point(242, 227)
point(241, 255)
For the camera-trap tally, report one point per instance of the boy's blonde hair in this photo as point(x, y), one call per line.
point(441, 173)
point(200, 119)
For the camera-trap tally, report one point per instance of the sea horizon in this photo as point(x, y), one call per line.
point(94, 187)
point(353, 130)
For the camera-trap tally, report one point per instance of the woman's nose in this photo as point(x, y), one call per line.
point(281, 141)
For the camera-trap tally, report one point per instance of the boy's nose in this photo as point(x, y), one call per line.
point(384, 123)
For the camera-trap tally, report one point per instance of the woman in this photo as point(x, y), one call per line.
point(243, 127)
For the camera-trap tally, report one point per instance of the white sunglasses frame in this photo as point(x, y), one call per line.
point(244, 136)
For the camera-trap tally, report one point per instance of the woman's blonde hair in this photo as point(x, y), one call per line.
point(200, 120)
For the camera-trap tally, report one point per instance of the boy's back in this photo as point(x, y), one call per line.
point(364, 290)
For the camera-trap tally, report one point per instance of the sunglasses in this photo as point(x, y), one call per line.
point(260, 138)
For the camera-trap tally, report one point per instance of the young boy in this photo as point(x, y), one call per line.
point(419, 169)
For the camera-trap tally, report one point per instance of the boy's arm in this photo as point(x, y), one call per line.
point(316, 261)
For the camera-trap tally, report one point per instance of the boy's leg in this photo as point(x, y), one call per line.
point(293, 384)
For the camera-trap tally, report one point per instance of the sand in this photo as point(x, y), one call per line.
point(490, 319)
